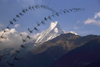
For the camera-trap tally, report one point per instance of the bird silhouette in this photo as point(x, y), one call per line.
point(49, 17)
point(57, 13)
point(30, 8)
point(68, 11)
point(46, 7)
point(64, 10)
point(23, 40)
point(17, 51)
point(42, 6)
point(10, 64)
point(5, 30)
point(38, 24)
point(30, 30)
point(21, 14)
point(23, 11)
point(11, 22)
point(2, 37)
point(26, 9)
point(8, 27)
point(17, 16)
point(42, 22)
point(74, 9)
point(33, 8)
point(16, 59)
point(77, 9)
point(22, 46)
point(45, 18)
point(35, 29)
point(21, 35)
point(37, 6)
point(14, 19)
point(29, 37)
point(53, 15)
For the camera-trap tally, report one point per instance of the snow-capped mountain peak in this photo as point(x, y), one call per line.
point(53, 31)
point(53, 24)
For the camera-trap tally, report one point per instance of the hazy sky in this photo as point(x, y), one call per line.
point(82, 22)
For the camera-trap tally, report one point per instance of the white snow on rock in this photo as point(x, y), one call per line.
point(53, 31)
point(72, 32)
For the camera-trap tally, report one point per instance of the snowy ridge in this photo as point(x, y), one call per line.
point(53, 31)
point(52, 25)
point(72, 32)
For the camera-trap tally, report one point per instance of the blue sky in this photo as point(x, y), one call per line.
point(82, 22)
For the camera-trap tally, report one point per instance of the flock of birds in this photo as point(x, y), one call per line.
point(22, 46)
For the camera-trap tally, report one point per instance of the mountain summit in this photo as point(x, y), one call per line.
point(53, 31)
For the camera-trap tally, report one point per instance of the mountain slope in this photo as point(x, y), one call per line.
point(81, 56)
point(68, 40)
point(49, 52)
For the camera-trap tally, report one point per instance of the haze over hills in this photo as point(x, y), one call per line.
point(55, 43)
point(49, 52)
point(53, 31)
